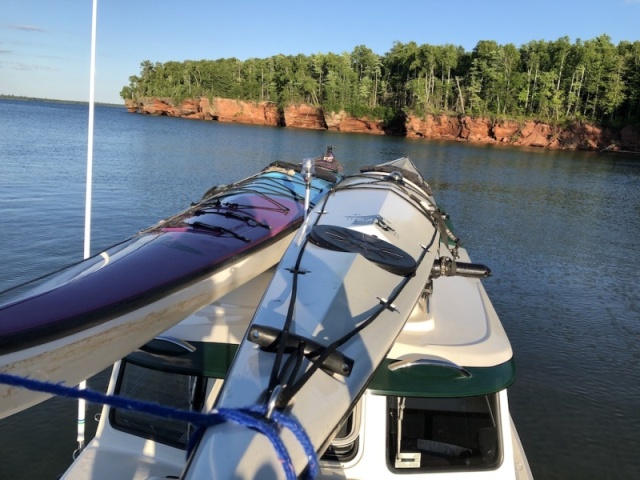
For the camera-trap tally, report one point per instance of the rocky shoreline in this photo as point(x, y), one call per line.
point(577, 136)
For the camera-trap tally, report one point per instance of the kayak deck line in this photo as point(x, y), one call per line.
point(175, 258)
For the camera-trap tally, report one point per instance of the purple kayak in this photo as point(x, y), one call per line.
point(78, 321)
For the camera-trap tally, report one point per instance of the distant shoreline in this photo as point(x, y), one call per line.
point(21, 98)
point(483, 130)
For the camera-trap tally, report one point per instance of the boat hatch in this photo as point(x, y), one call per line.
point(443, 434)
point(184, 392)
point(344, 446)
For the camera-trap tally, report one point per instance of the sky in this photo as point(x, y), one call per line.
point(45, 45)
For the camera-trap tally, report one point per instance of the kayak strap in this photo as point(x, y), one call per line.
point(321, 172)
point(411, 176)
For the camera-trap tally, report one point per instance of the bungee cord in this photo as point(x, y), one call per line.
point(176, 219)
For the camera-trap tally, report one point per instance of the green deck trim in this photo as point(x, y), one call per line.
point(429, 381)
point(214, 360)
point(209, 360)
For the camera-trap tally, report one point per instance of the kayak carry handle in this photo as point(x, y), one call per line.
point(415, 360)
point(268, 339)
point(167, 345)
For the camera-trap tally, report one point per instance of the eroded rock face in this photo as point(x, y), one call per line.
point(476, 129)
point(464, 128)
point(505, 132)
point(304, 116)
point(157, 106)
point(440, 127)
point(221, 109)
point(578, 136)
point(534, 134)
point(228, 110)
point(131, 105)
point(343, 122)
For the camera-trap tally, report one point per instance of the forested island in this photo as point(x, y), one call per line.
point(584, 94)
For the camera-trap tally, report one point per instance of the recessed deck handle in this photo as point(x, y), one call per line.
point(430, 361)
point(167, 345)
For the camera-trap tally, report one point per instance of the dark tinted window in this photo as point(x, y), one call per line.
point(184, 392)
point(443, 433)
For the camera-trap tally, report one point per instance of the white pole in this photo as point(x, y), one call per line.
point(82, 406)
point(92, 81)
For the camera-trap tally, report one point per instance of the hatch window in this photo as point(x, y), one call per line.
point(185, 392)
point(427, 434)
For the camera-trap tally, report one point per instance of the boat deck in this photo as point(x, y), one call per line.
point(463, 336)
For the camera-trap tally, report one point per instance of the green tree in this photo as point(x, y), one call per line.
point(557, 80)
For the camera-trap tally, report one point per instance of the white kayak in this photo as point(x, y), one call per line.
point(339, 298)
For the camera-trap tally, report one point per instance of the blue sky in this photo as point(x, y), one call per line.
point(45, 44)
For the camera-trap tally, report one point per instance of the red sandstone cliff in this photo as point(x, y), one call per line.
point(304, 116)
point(464, 128)
point(577, 136)
point(343, 122)
point(220, 109)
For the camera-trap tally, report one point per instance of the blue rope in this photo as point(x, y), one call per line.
point(299, 432)
point(252, 417)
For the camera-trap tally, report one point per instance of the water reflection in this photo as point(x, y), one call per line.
point(558, 229)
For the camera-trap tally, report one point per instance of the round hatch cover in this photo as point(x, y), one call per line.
point(374, 249)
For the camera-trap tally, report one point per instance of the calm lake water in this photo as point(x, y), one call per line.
point(558, 229)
